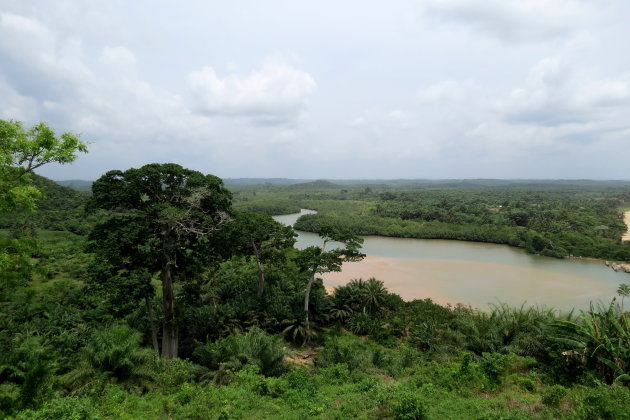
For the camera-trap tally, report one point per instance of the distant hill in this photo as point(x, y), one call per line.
point(61, 208)
point(76, 184)
point(314, 185)
point(83, 185)
point(239, 182)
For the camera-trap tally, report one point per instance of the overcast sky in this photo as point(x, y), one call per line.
point(327, 89)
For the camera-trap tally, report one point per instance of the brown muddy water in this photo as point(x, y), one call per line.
point(473, 273)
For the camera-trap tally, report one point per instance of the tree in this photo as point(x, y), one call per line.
point(316, 260)
point(259, 234)
point(373, 295)
point(22, 151)
point(161, 219)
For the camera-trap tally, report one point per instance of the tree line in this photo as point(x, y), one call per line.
point(173, 304)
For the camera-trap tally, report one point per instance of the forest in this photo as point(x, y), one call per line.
point(163, 294)
point(550, 218)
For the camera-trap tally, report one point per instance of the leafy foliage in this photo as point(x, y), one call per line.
point(228, 355)
point(599, 339)
point(112, 354)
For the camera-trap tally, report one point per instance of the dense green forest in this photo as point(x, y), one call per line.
point(163, 295)
point(552, 218)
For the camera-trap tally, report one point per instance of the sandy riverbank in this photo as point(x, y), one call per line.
point(626, 219)
point(475, 283)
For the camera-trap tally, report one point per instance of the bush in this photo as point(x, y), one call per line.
point(302, 380)
point(113, 353)
point(408, 406)
point(554, 395)
point(171, 374)
point(362, 323)
point(606, 402)
point(60, 409)
point(337, 373)
point(493, 366)
point(523, 382)
point(230, 354)
point(345, 348)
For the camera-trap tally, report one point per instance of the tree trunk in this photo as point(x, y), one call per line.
point(307, 296)
point(151, 317)
point(169, 329)
point(261, 273)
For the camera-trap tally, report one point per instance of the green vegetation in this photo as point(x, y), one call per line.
point(549, 218)
point(248, 330)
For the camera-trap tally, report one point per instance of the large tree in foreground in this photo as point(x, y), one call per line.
point(161, 219)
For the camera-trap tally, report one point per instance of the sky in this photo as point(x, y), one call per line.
point(428, 89)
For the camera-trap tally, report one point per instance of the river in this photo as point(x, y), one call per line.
point(473, 273)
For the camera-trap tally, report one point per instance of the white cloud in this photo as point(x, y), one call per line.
point(119, 60)
point(449, 91)
point(38, 62)
point(397, 115)
point(276, 92)
point(131, 78)
point(45, 75)
point(555, 95)
point(517, 20)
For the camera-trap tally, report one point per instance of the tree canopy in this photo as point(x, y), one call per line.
point(21, 151)
point(161, 217)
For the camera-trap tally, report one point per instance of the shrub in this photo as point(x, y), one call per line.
point(337, 373)
point(302, 380)
point(60, 409)
point(606, 402)
point(174, 372)
point(493, 366)
point(523, 382)
point(554, 395)
point(408, 406)
point(113, 354)
point(232, 353)
point(347, 349)
point(362, 323)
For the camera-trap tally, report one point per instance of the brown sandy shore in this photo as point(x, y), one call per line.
point(474, 283)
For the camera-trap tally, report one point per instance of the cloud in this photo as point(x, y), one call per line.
point(560, 113)
point(101, 91)
point(277, 92)
point(449, 91)
point(516, 20)
point(554, 95)
point(38, 62)
point(119, 60)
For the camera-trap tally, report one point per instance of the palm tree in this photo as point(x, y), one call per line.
point(113, 354)
point(374, 295)
point(298, 329)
